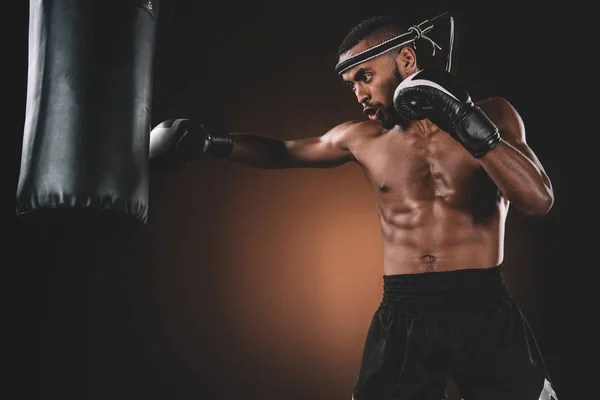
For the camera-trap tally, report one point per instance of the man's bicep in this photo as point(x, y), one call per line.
point(328, 150)
point(511, 127)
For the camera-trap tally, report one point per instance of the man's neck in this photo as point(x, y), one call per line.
point(424, 126)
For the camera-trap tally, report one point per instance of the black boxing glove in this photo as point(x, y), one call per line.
point(179, 141)
point(437, 96)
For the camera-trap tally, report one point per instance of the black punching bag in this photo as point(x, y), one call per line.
point(88, 111)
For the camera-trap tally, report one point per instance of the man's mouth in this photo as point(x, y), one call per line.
point(372, 113)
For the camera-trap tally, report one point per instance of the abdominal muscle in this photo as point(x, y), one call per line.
point(432, 236)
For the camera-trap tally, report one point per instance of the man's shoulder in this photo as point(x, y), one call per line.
point(349, 134)
point(498, 108)
point(354, 128)
point(494, 103)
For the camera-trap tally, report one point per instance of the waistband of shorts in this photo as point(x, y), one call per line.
point(460, 287)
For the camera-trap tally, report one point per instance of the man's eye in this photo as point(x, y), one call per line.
point(366, 78)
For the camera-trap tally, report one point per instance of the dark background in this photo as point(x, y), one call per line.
point(252, 283)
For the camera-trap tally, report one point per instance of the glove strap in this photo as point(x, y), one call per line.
point(218, 146)
point(477, 133)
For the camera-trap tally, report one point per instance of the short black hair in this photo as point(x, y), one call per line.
point(381, 27)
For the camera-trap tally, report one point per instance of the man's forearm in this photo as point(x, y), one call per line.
point(519, 179)
point(260, 151)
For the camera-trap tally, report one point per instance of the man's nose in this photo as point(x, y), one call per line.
point(362, 95)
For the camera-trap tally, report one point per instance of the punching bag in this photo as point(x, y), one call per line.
point(88, 110)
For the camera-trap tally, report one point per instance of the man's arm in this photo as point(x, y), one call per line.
point(325, 151)
point(491, 131)
point(513, 165)
point(180, 141)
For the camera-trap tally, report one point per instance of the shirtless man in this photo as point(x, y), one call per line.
point(444, 171)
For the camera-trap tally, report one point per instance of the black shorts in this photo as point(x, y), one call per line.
point(459, 324)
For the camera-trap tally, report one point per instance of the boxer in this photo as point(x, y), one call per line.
point(444, 170)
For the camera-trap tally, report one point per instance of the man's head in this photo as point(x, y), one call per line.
point(375, 80)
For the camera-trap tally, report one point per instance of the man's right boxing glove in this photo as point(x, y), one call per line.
point(179, 141)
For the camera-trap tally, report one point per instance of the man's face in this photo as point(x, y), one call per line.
point(373, 83)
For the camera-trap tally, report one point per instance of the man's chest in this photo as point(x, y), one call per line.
point(418, 165)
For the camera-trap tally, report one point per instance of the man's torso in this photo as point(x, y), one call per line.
point(438, 208)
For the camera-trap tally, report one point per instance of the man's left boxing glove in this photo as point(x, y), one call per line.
point(179, 141)
point(437, 96)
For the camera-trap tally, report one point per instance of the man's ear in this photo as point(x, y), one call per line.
point(407, 61)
